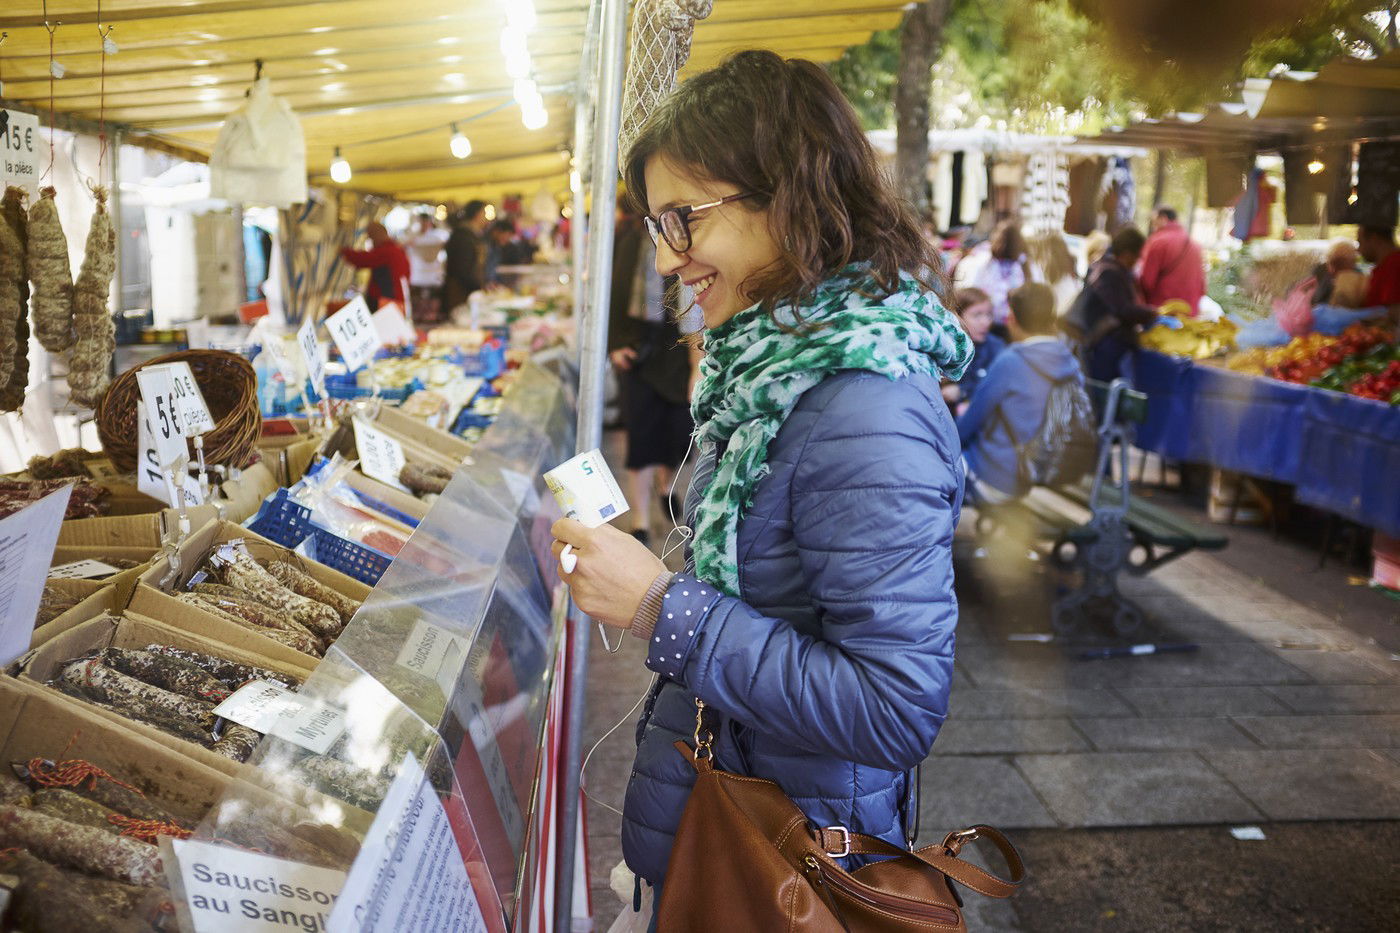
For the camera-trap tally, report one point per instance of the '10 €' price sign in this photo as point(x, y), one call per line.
point(354, 333)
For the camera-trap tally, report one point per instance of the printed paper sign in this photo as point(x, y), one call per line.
point(27, 540)
point(354, 333)
point(585, 489)
point(167, 430)
point(194, 414)
point(435, 653)
point(410, 874)
point(153, 479)
point(20, 150)
point(381, 457)
point(274, 710)
point(230, 890)
point(82, 570)
point(394, 329)
point(311, 352)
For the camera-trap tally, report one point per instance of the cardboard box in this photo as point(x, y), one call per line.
point(435, 439)
point(132, 630)
point(38, 723)
point(131, 530)
point(95, 598)
point(289, 457)
point(152, 594)
point(382, 492)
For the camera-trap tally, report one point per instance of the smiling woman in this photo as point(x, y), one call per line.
point(813, 624)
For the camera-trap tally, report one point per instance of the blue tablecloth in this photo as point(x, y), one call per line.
point(1342, 453)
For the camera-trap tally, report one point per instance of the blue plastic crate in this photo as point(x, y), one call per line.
point(288, 523)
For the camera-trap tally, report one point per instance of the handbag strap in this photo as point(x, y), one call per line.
point(942, 857)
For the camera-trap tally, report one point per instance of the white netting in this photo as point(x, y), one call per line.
point(660, 48)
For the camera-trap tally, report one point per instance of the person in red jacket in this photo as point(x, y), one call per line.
point(1171, 263)
point(387, 264)
point(1377, 245)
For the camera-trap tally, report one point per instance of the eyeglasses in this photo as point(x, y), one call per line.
point(673, 224)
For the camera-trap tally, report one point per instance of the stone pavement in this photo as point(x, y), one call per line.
point(1282, 714)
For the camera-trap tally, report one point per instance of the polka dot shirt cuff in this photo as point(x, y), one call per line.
point(683, 610)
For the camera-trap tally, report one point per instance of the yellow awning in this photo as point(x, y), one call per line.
point(381, 80)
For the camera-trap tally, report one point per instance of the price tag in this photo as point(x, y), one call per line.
point(354, 333)
point(153, 479)
point(82, 570)
point(273, 710)
point(194, 414)
point(20, 148)
point(393, 327)
point(233, 890)
point(167, 431)
point(381, 457)
point(311, 352)
point(435, 653)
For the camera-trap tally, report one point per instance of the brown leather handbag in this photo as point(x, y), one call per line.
point(745, 858)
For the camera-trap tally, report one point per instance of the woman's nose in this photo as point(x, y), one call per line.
point(668, 261)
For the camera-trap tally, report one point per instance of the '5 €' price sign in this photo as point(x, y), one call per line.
point(354, 333)
point(168, 429)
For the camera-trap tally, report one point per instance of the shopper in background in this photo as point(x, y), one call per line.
point(1110, 312)
point(1377, 245)
point(974, 309)
point(654, 375)
point(1007, 270)
point(425, 254)
point(1010, 405)
point(1172, 265)
point(1338, 280)
point(1053, 257)
point(466, 256)
point(387, 264)
point(1095, 245)
point(505, 247)
point(815, 618)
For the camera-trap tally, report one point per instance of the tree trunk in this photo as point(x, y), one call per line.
point(920, 44)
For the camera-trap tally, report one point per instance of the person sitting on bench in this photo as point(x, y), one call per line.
point(1009, 406)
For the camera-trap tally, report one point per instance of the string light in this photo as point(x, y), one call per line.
point(460, 145)
point(1315, 166)
point(534, 117)
point(340, 169)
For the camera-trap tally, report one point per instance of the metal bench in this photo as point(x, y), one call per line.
point(1122, 533)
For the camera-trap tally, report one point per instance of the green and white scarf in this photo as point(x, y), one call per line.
point(754, 371)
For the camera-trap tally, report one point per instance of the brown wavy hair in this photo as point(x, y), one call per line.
point(781, 129)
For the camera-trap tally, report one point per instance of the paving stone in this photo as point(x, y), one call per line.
point(1112, 734)
point(1035, 703)
point(1339, 698)
point(1375, 730)
point(1133, 789)
point(1334, 667)
point(1313, 785)
point(1233, 620)
point(1203, 701)
point(1008, 736)
point(959, 790)
point(1047, 666)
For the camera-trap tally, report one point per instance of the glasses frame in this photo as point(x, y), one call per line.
point(656, 226)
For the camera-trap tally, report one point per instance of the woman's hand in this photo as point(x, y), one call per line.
point(623, 358)
point(613, 573)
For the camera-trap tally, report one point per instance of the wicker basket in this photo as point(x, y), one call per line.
point(230, 389)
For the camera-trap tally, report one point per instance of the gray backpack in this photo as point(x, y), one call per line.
point(1065, 447)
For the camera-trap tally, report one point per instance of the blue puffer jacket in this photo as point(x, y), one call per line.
point(830, 676)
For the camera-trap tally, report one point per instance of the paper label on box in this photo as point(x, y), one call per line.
point(274, 710)
point(409, 874)
point(230, 890)
point(311, 353)
point(435, 653)
point(585, 489)
point(381, 456)
point(27, 540)
point(82, 570)
point(354, 333)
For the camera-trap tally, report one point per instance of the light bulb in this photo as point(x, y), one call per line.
point(534, 116)
point(340, 169)
point(521, 15)
point(461, 146)
point(514, 51)
point(1315, 166)
point(526, 91)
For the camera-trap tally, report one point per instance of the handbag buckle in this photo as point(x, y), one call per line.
point(845, 840)
point(954, 841)
point(704, 737)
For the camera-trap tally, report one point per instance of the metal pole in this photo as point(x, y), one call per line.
point(593, 341)
point(583, 144)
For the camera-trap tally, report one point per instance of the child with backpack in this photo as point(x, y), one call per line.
point(1030, 422)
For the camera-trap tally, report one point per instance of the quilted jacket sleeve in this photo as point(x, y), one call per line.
point(875, 498)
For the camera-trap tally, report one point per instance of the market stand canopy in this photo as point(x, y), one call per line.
point(1347, 99)
point(359, 71)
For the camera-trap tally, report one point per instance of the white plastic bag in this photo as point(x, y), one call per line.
point(623, 883)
